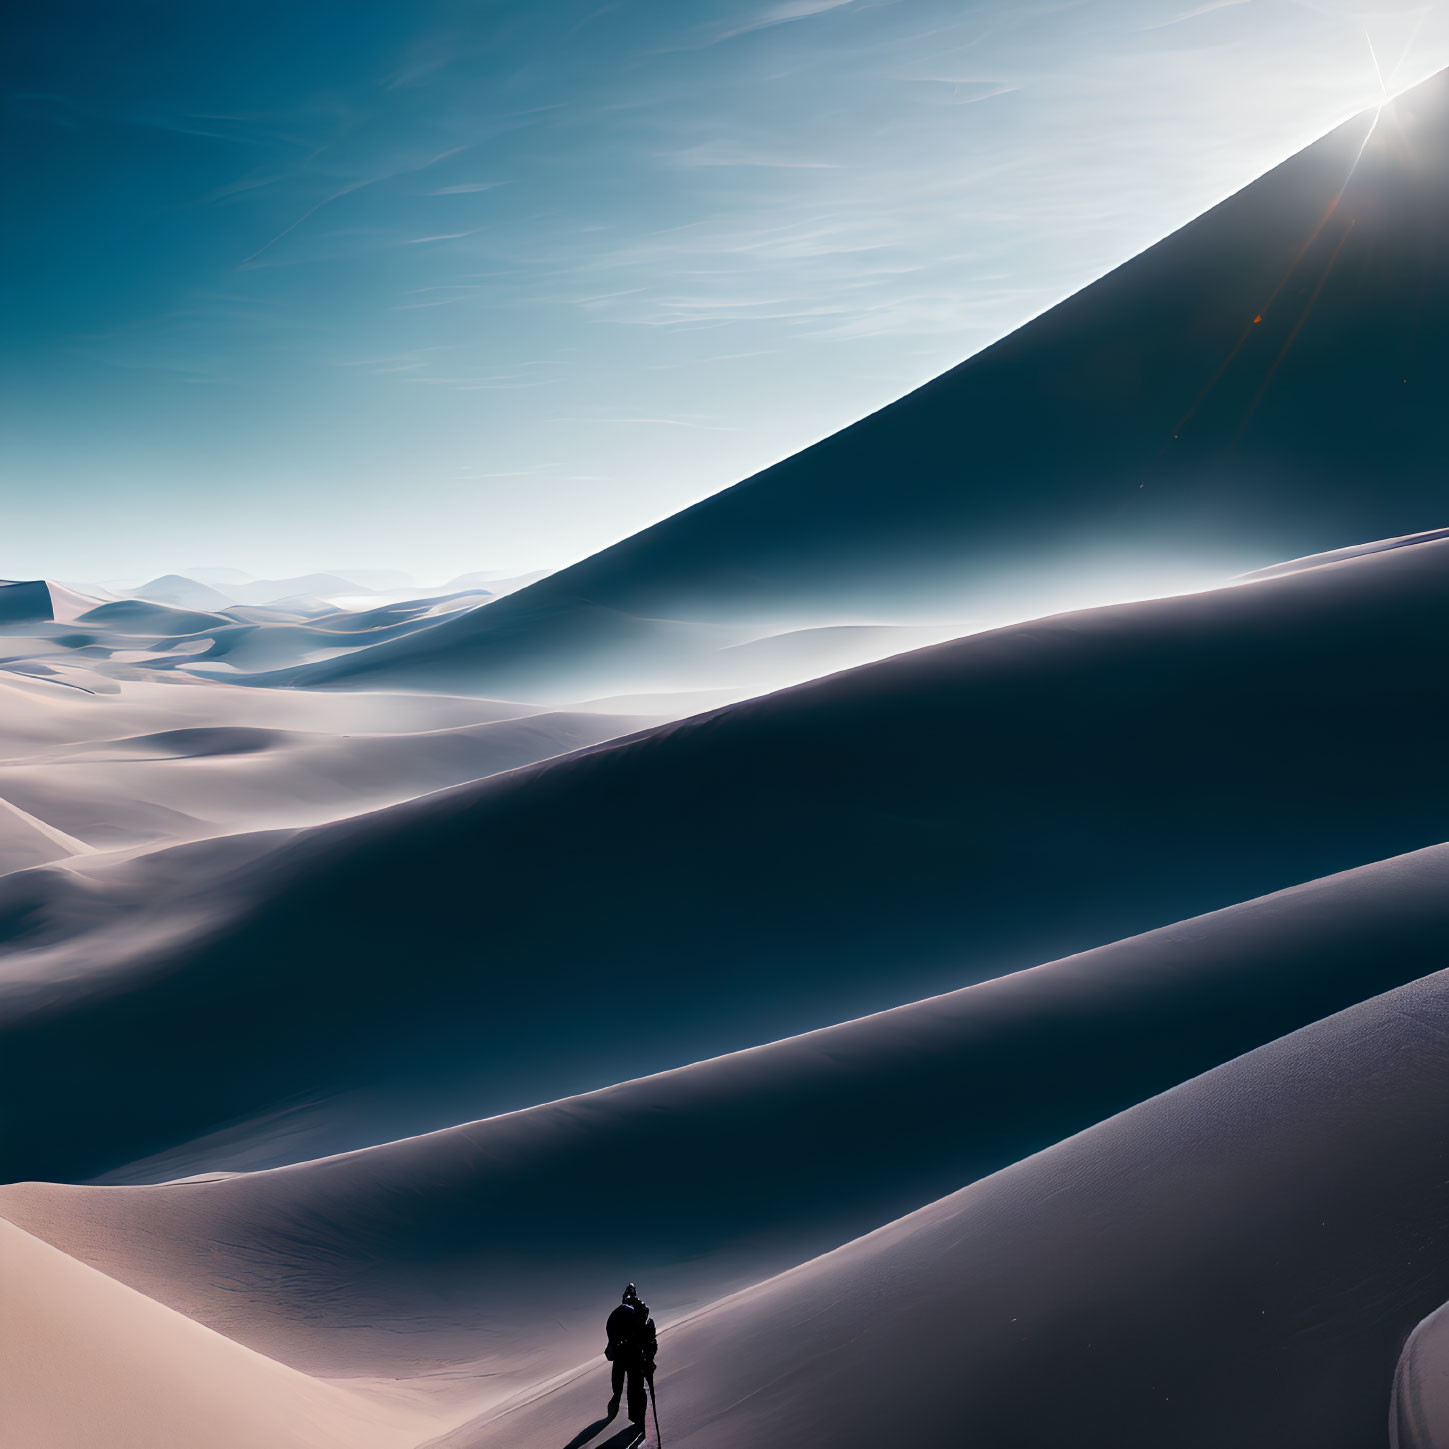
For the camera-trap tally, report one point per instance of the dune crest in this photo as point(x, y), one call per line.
point(1237, 1261)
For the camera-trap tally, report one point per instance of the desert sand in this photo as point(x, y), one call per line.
point(894, 828)
point(89, 1362)
point(1031, 1033)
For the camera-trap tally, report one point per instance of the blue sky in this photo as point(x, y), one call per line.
point(447, 287)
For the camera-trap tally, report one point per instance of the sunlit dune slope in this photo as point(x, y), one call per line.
point(86, 1362)
point(1237, 1261)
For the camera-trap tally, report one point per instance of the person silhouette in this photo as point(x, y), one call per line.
point(631, 1348)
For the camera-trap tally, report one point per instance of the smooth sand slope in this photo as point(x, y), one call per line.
point(1419, 1417)
point(1253, 387)
point(121, 728)
point(1238, 1261)
point(125, 791)
point(891, 832)
point(25, 601)
point(86, 1363)
point(476, 1259)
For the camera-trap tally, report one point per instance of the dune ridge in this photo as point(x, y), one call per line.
point(1238, 1260)
point(875, 818)
point(404, 1259)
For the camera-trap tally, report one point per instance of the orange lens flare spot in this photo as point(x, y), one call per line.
point(1257, 319)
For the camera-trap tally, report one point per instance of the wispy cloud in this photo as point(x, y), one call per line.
point(1195, 13)
point(784, 14)
point(405, 169)
point(787, 13)
point(442, 236)
point(725, 153)
point(465, 188)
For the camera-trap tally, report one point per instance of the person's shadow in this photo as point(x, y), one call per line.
point(626, 1438)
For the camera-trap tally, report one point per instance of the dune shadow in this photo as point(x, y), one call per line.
point(588, 1432)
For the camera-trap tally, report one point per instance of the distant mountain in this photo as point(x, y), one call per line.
point(1260, 384)
point(179, 592)
point(377, 580)
point(219, 578)
point(321, 586)
point(490, 583)
point(186, 592)
point(361, 580)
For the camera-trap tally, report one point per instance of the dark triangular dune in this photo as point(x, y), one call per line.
point(1256, 386)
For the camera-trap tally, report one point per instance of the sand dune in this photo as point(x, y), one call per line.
point(1252, 388)
point(93, 756)
point(25, 602)
point(103, 700)
point(118, 637)
point(144, 618)
point(1237, 1261)
point(1419, 1416)
point(871, 838)
point(1342, 555)
point(298, 874)
point(26, 841)
point(86, 1362)
point(125, 792)
point(413, 1259)
point(179, 592)
point(75, 705)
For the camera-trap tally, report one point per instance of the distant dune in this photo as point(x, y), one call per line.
point(24, 602)
point(154, 617)
point(116, 638)
point(1253, 387)
point(183, 593)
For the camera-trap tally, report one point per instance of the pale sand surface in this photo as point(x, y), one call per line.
point(1237, 1261)
point(473, 1261)
point(86, 1363)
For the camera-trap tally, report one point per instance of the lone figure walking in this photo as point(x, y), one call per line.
point(631, 1348)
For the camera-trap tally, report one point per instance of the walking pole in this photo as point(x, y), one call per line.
point(654, 1405)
